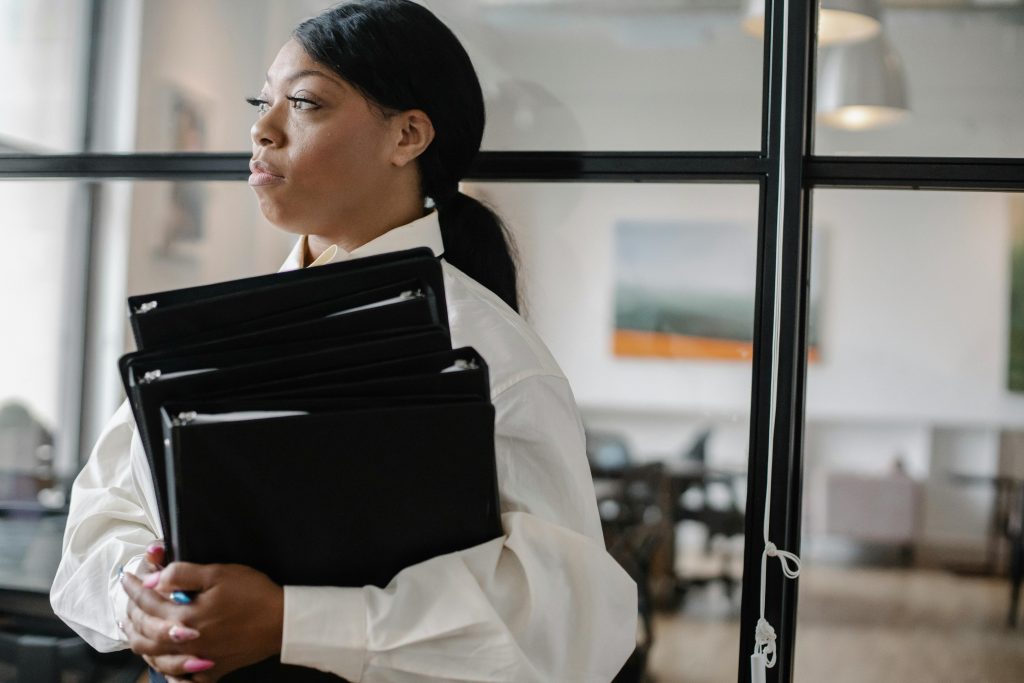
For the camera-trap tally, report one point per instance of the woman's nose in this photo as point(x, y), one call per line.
point(265, 132)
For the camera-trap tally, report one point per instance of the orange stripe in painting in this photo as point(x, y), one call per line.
point(663, 345)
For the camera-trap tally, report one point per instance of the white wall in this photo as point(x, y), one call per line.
point(915, 316)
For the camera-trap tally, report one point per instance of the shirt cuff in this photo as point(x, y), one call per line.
point(325, 628)
point(117, 595)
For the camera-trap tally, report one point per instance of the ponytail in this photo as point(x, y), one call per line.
point(400, 56)
point(477, 242)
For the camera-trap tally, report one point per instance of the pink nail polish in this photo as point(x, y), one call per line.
point(180, 634)
point(152, 580)
point(194, 666)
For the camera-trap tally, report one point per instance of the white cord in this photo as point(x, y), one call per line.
point(764, 634)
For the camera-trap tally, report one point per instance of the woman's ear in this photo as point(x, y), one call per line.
point(415, 132)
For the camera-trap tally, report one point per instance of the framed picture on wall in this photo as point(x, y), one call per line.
point(685, 290)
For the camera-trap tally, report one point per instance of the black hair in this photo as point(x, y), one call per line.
point(400, 57)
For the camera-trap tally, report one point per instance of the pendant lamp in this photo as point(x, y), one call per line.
point(861, 86)
point(839, 21)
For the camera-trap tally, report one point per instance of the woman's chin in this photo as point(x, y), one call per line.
point(280, 220)
point(288, 227)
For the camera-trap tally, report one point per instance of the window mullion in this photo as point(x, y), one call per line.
point(777, 396)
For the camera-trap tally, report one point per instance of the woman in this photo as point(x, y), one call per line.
point(370, 116)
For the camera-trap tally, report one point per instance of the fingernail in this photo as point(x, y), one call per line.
point(152, 580)
point(182, 633)
point(120, 573)
point(194, 666)
point(154, 548)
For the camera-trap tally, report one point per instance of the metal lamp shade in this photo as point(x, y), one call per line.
point(839, 22)
point(861, 86)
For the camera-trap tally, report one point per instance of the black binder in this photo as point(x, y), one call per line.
point(410, 479)
point(315, 425)
point(175, 316)
point(154, 378)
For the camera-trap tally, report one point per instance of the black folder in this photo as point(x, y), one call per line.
point(414, 481)
point(154, 378)
point(175, 316)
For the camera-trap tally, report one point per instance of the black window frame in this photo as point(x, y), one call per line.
point(785, 170)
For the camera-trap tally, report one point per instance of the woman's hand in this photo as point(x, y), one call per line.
point(136, 628)
point(235, 619)
point(139, 628)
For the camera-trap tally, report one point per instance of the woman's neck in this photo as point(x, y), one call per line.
point(356, 233)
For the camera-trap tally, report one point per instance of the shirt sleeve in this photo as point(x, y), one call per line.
point(111, 520)
point(543, 602)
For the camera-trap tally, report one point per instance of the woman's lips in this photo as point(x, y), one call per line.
point(261, 178)
point(263, 174)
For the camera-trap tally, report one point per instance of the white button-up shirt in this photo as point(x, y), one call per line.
point(544, 602)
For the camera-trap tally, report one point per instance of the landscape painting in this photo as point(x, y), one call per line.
point(686, 290)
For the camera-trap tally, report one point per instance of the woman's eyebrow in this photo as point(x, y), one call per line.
point(306, 72)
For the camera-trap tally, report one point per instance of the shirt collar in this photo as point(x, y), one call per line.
point(422, 232)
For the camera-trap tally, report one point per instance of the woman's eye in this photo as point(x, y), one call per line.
point(302, 103)
point(262, 106)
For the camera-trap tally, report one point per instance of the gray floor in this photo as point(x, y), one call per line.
point(888, 625)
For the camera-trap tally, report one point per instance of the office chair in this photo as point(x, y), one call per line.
point(708, 498)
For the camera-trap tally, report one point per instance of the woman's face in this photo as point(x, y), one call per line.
point(321, 153)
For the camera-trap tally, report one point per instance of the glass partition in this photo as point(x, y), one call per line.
point(914, 445)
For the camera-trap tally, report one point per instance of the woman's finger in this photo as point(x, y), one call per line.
point(138, 643)
point(151, 661)
point(182, 666)
point(184, 576)
point(169, 635)
point(160, 636)
point(149, 600)
point(155, 554)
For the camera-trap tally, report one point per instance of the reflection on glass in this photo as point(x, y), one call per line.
point(913, 447)
point(644, 294)
point(643, 75)
point(937, 81)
